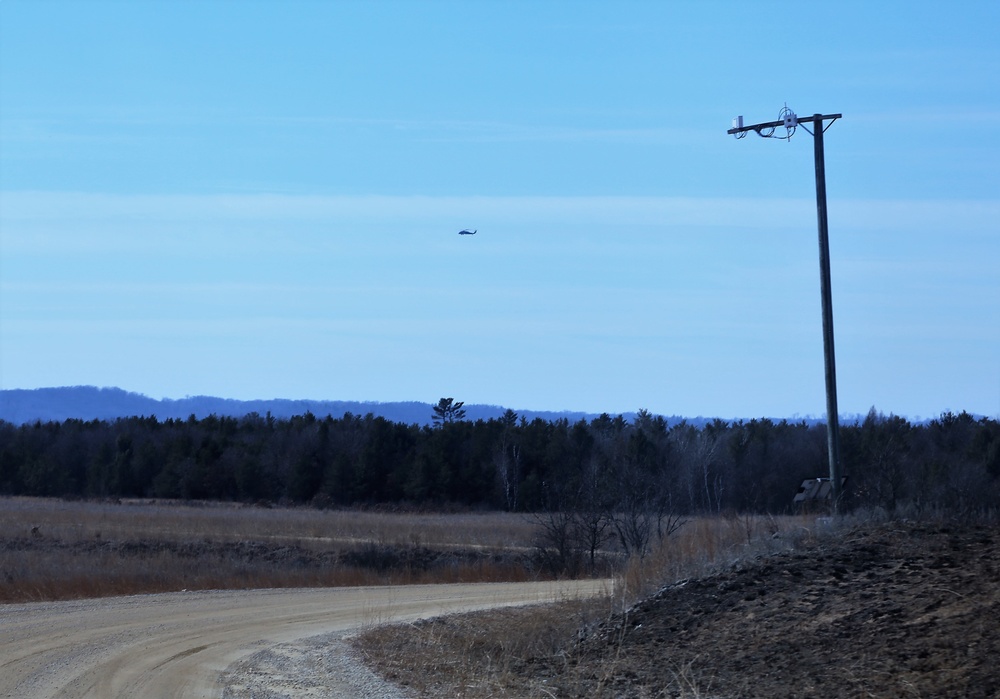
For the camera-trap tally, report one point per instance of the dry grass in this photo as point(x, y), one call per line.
point(54, 549)
point(704, 543)
point(480, 654)
point(174, 521)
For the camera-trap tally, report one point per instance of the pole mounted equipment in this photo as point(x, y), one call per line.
point(789, 121)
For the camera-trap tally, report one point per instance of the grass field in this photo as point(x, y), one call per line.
point(55, 549)
point(77, 520)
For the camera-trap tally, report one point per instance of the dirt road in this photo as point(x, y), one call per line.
point(178, 645)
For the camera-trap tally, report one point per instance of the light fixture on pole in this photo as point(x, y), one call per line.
point(790, 121)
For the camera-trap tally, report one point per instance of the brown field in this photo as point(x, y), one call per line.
point(54, 549)
point(169, 520)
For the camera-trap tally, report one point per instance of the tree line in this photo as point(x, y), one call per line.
point(596, 468)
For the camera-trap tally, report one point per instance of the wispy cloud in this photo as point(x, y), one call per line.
point(131, 125)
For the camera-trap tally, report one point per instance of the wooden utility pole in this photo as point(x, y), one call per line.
point(790, 121)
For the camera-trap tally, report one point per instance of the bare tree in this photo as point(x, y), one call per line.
point(591, 512)
point(556, 542)
point(632, 511)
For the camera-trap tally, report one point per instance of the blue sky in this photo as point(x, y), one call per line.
point(262, 199)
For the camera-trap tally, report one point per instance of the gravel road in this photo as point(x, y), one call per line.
point(257, 643)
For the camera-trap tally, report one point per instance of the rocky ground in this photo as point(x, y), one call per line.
point(894, 610)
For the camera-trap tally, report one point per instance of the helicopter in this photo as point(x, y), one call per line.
point(466, 231)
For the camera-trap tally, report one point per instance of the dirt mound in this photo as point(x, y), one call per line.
point(904, 610)
point(899, 610)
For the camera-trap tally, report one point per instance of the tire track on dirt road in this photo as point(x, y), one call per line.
point(177, 645)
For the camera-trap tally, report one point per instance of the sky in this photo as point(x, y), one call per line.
point(259, 200)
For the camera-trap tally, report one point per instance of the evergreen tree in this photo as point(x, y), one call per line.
point(448, 411)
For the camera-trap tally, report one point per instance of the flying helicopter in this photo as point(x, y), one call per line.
point(466, 231)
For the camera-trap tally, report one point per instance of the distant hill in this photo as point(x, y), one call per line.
point(20, 406)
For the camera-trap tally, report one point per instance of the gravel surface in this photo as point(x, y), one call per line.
point(323, 666)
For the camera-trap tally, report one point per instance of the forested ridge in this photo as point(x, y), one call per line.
point(59, 404)
point(509, 463)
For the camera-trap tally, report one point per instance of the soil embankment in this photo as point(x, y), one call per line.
point(898, 610)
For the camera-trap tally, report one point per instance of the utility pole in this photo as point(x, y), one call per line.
point(789, 121)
